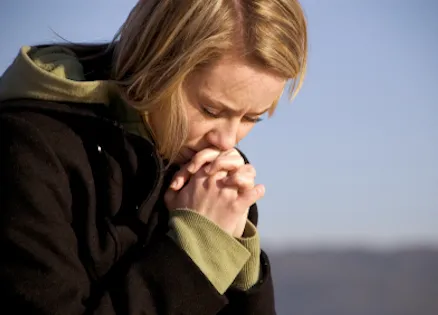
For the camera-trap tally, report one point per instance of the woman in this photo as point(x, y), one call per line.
point(121, 189)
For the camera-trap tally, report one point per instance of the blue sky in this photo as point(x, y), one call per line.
point(354, 159)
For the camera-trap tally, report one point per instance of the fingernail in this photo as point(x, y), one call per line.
point(174, 184)
point(191, 168)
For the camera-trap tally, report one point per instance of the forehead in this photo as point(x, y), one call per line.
point(241, 84)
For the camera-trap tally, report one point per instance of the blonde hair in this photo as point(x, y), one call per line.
point(162, 42)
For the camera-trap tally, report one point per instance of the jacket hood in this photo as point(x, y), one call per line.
point(56, 74)
point(51, 74)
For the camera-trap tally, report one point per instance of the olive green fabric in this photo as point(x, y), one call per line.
point(219, 256)
point(250, 273)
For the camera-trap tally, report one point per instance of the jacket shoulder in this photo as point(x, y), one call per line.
point(63, 119)
point(26, 126)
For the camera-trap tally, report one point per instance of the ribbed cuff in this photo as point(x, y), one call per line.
point(218, 255)
point(250, 273)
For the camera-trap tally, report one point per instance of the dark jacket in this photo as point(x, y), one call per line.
point(83, 224)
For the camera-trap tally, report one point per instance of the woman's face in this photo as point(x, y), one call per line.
point(224, 102)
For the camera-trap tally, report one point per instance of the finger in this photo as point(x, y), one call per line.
point(199, 160)
point(225, 162)
point(240, 182)
point(249, 197)
point(217, 179)
point(243, 178)
point(245, 169)
point(202, 157)
point(180, 178)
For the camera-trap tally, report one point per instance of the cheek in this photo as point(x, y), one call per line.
point(198, 128)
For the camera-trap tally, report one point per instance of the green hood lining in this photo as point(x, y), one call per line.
point(56, 74)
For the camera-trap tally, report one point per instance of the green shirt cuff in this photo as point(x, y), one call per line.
point(218, 255)
point(250, 273)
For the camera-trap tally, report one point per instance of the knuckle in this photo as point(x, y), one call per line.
point(251, 169)
point(237, 153)
point(247, 170)
point(222, 163)
point(241, 179)
point(219, 175)
point(197, 159)
point(218, 163)
point(239, 159)
point(200, 156)
point(234, 151)
point(205, 156)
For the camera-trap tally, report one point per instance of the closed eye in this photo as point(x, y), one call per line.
point(216, 114)
point(210, 112)
point(254, 120)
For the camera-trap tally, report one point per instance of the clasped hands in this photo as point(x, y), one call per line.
point(219, 186)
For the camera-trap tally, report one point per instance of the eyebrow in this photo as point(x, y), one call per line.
point(232, 110)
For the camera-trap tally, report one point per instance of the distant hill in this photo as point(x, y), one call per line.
point(354, 282)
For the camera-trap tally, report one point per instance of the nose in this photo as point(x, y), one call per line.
point(224, 137)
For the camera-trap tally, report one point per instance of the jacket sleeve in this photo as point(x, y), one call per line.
point(258, 300)
point(41, 271)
